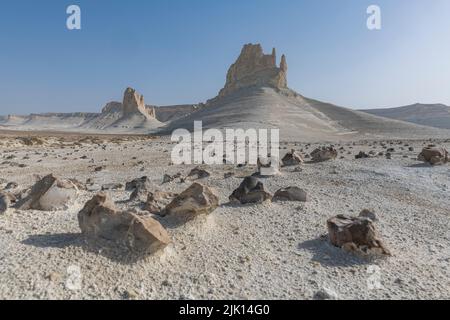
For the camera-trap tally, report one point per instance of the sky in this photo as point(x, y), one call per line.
point(178, 51)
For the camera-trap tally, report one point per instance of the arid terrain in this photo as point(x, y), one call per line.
point(255, 251)
point(92, 206)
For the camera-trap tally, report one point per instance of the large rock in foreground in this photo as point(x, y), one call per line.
point(434, 155)
point(197, 199)
point(355, 234)
point(100, 219)
point(48, 194)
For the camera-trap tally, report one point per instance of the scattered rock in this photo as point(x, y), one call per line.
point(251, 190)
point(4, 202)
point(48, 194)
point(361, 155)
point(143, 182)
point(434, 155)
point(290, 194)
point(326, 294)
point(198, 173)
point(100, 219)
point(197, 199)
point(112, 186)
point(369, 215)
point(292, 158)
point(324, 154)
point(11, 186)
point(227, 175)
point(158, 200)
point(355, 233)
point(167, 178)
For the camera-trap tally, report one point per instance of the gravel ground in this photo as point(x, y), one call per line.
point(267, 251)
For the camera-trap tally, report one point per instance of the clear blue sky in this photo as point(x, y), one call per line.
point(178, 51)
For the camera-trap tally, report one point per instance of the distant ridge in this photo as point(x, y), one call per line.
point(255, 95)
point(433, 115)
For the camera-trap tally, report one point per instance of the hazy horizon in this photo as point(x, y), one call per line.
point(178, 52)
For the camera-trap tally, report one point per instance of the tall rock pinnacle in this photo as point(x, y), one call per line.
point(254, 68)
point(133, 102)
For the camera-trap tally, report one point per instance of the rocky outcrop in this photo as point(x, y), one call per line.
point(100, 219)
point(254, 68)
point(196, 200)
point(434, 155)
point(292, 158)
point(113, 107)
point(50, 193)
point(324, 154)
point(356, 234)
point(133, 103)
point(251, 190)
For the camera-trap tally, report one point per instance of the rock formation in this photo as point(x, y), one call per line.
point(133, 103)
point(355, 234)
point(50, 193)
point(100, 219)
point(254, 68)
point(324, 154)
point(292, 158)
point(434, 155)
point(251, 190)
point(196, 200)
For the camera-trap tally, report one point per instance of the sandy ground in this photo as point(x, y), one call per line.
point(268, 251)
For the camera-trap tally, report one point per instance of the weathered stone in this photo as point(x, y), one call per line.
point(324, 154)
point(361, 155)
point(198, 173)
point(290, 194)
point(48, 194)
point(358, 232)
point(197, 199)
point(167, 178)
point(292, 158)
point(251, 190)
point(144, 181)
point(112, 186)
point(254, 68)
point(133, 102)
point(434, 155)
point(4, 202)
point(326, 294)
point(369, 215)
point(100, 219)
point(158, 200)
point(11, 185)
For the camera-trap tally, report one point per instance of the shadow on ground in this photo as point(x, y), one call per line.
point(328, 255)
point(110, 250)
